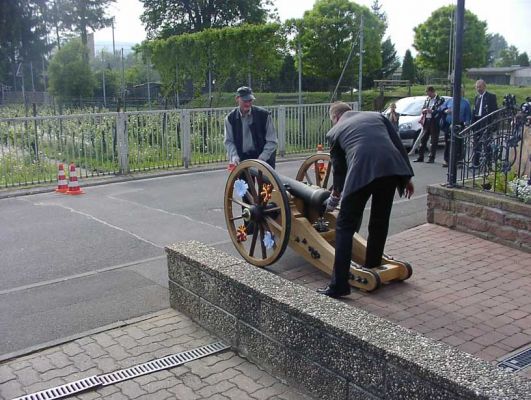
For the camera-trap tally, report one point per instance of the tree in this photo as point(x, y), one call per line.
point(68, 73)
point(22, 38)
point(80, 15)
point(327, 34)
point(163, 19)
point(408, 67)
point(497, 43)
point(508, 57)
point(432, 40)
point(523, 60)
point(390, 62)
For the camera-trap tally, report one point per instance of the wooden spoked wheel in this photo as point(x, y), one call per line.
point(258, 217)
point(316, 170)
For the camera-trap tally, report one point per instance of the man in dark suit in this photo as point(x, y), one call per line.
point(368, 159)
point(431, 116)
point(484, 104)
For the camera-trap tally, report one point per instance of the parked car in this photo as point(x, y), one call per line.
point(409, 127)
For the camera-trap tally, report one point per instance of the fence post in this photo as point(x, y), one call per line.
point(123, 144)
point(185, 139)
point(282, 131)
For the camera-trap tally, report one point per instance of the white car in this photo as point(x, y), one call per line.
point(409, 127)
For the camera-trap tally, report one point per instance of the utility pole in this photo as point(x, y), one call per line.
point(456, 106)
point(113, 48)
point(148, 80)
point(299, 52)
point(103, 79)
point(123, 80)
point(360, 77)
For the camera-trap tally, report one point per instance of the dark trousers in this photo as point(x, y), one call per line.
point(348, 222)
point(430, 131)
point(458, 147)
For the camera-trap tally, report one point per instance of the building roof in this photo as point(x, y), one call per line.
point(495, 70)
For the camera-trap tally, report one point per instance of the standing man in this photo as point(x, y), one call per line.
point(368, 159)
point(249, 131)
point(430, 124)
point(484, 104)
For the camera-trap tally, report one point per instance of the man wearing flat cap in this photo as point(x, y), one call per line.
point(249, 131)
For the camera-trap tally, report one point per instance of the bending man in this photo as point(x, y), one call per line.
point(368, 160)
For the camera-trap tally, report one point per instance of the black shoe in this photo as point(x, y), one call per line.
point(334, 293)
point(445, 165)
point(430, 161)
point(419, 160)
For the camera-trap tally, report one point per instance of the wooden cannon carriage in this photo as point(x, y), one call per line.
point(265, 212)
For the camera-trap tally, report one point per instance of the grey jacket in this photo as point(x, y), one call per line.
point(365, 146)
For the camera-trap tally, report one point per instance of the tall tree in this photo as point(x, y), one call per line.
point(69, 74)
point(327, 34)
point(523, 60)
point(22, 38)
point(376, 8)
point(497, 43)
point(164, 18)
point(508, 57)
point(390, 62)
point(432, 40)
point(408, 67)
point(79, 16)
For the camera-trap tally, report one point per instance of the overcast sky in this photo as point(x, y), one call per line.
point(509, 18)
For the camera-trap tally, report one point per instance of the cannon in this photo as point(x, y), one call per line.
point(265, 212)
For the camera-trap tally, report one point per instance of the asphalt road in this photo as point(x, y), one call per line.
point(70, 264)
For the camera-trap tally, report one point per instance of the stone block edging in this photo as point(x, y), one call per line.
point(322, 346)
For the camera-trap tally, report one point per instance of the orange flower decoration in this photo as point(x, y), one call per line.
point(241, 233)
point(266, 192)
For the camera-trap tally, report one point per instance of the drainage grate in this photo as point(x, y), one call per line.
point(161, 363)
point(170, 361)
point(63, 390)
point(517, 361)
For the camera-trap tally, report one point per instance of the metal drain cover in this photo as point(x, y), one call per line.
point(517, 361)
point(96, 381)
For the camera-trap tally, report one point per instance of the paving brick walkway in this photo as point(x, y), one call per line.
point(220, 376)
point(465, 291)
point(468, 292)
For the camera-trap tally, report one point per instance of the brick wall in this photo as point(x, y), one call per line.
point(487, 215)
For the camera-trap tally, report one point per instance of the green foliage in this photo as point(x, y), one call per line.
point(432, 40)
point(408, 67)
point(68, 74)
point(523, 60)
point(164, 19)
point(22, 37)
point(497, 43)
point(508, 57)
point(232, 51)
point(328, 32)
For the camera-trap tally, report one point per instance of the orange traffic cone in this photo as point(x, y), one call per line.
point(62, 186)
point(73, 184)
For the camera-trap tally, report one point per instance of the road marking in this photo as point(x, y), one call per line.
point(81, 275)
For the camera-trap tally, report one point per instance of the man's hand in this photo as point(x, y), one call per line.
point(332, 202)
point(410, 189)
point(235, 160)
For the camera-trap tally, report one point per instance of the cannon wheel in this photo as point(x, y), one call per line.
point(316, 170)
point(273, 215)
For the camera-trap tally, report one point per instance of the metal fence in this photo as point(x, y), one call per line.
point(491, 154)
point(123, 142)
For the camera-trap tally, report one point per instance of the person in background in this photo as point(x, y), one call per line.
point(484, 104)
point(368, 159)
point(393, 116)
point(465, 116)
point(249, 131)
point(430, 124)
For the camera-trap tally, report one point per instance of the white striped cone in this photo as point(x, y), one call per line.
point(62, 186)
point(73, 184)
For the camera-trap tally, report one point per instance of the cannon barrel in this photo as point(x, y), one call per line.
point(312, 196)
